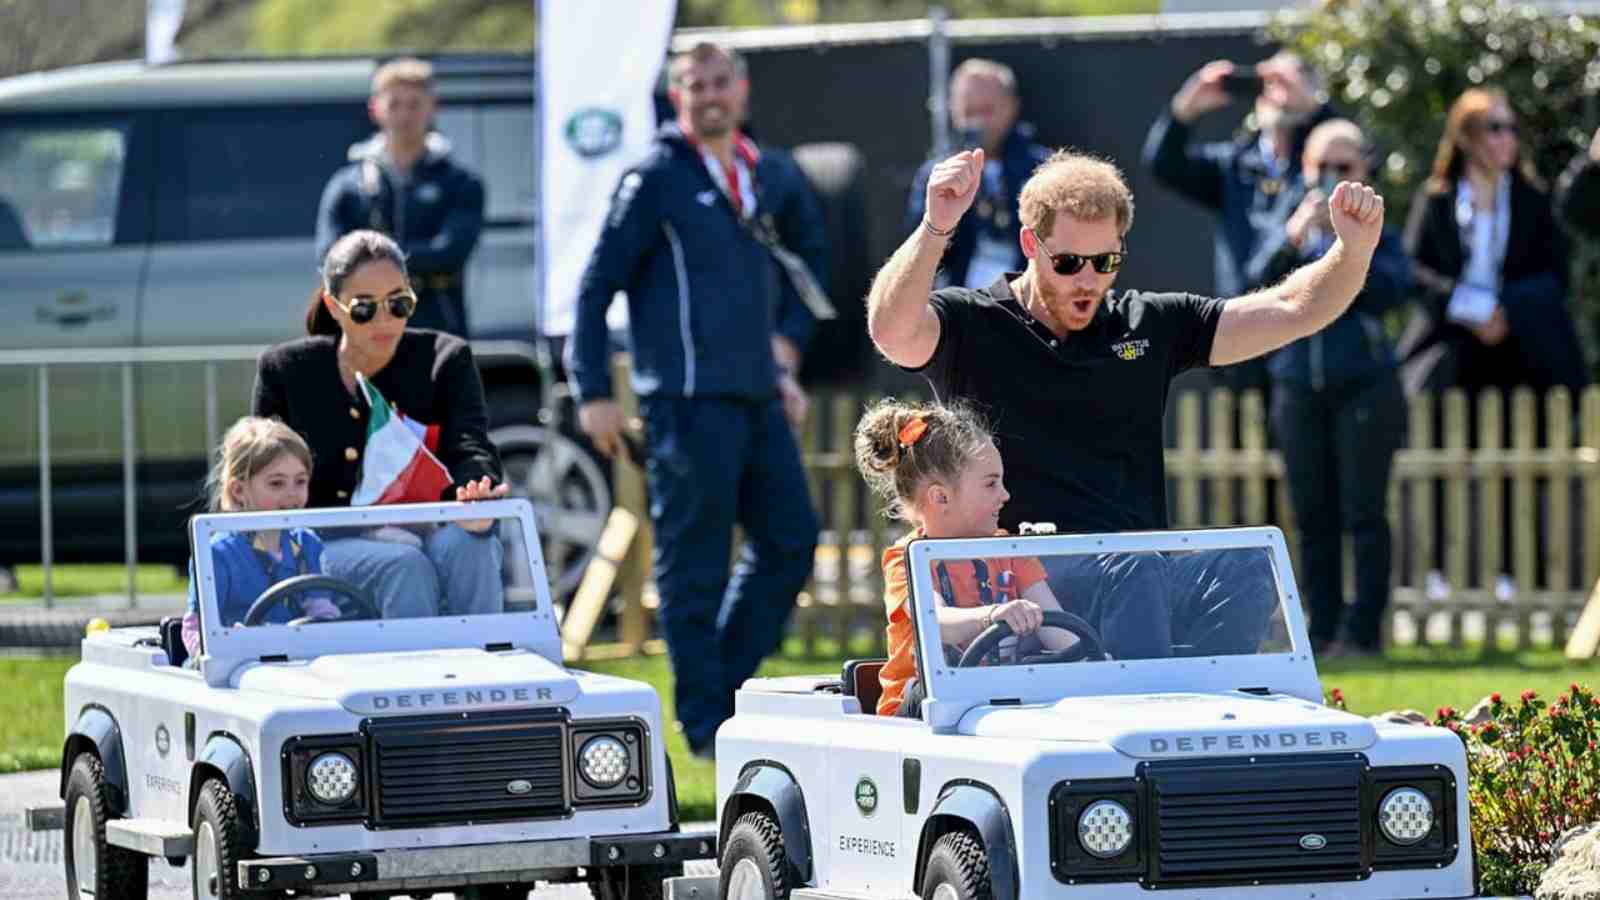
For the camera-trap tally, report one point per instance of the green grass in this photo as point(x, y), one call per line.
point(85, 580)
point(1414, 678)
point(31, 721)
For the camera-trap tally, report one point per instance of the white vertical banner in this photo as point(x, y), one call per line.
point(598, 66)
point(162, 19)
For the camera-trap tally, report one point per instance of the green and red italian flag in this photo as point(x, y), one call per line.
point(399, 466)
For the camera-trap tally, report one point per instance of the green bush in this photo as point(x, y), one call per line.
point(1533, 772)
point(1396, 65)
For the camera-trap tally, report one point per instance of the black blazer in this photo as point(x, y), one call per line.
point(1541, 349)
point(431, 379)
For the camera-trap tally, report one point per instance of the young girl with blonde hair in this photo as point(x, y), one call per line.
point(936, 467)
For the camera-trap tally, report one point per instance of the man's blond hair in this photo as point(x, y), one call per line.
point(407, 70)
point(998, 72)
point(1084, 187)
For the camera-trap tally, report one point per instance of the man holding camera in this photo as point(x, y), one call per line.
point(1246, 181)
point(983, 113)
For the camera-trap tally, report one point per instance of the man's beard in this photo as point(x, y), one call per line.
point(715, 128)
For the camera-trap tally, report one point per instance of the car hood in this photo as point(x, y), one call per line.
point(456, 680)
point(1164, 726)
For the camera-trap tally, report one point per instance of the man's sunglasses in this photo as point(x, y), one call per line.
point(1339, 169)
point(364, 309)
point(1072, 263)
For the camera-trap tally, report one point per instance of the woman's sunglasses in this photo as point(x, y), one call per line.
point(1072, 263)
point(1497, 126)
point(364, 309)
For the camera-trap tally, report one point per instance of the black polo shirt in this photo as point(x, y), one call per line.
point(1078, 420)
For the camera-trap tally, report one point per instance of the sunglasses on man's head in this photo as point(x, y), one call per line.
point(1072, 263)
point(364, 309)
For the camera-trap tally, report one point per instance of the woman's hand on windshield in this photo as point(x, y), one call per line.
point(482, 489)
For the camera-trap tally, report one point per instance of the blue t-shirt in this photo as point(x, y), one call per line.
point(243, 573)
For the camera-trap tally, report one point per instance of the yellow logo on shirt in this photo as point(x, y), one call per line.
point(1130, 350)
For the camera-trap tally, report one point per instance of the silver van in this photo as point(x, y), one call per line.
point(174, 206)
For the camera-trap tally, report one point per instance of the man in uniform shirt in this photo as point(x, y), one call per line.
point(983, 111)
point(1075, 378)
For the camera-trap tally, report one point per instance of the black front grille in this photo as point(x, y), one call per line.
point(1242, 822)
point(477, 767)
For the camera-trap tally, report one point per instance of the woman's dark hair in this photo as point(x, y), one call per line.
point(901, 446)
point(348, 254)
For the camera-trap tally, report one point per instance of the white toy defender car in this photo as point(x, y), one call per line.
point(1038, 773)
point(361, 754)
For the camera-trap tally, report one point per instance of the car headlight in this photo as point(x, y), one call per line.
point(1105, 828)
point(331, 778)
point(1405, 815)
point(603, 761)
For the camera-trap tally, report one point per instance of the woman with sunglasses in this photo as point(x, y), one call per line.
point(1491, 261)
point(356, 323)
point(1337, 409)
point(1493, 269)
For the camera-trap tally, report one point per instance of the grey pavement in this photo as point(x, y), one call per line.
point(31, 866)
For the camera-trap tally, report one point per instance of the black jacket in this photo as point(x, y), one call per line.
point(435, 215)
point(1542, 347)
point(1578, 195)
point(431, 379)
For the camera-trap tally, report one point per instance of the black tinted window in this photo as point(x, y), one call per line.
point(256, 173)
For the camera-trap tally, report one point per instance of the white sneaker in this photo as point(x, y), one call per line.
point(1435, 586)
point(1505, 588)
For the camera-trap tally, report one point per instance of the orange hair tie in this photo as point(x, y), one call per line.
point(912, 431)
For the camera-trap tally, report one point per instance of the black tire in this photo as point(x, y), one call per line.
point(837, 173)
point(635, 883)
point(219, 845)
point(959, 862)
point(754, 853)
point(116, 873)
point(570, 490)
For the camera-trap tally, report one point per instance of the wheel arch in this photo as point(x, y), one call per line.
point(224, 758)
point(976, 807)
point(96, 731)
point(768, 786)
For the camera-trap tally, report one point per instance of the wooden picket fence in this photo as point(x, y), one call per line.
point(1218, 479)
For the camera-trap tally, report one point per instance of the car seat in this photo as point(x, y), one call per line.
point(172, 640)
point(860, 680)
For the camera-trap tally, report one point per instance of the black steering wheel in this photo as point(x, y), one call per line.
point(360, 598)
point(1089, 645)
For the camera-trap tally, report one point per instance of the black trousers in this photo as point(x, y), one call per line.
point(1338, 449)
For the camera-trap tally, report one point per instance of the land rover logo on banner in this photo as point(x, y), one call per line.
point(866, 796)
point(594, 132)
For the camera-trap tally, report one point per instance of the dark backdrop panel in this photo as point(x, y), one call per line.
point(1095, 92)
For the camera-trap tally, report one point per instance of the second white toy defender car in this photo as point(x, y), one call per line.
point(319, 747)
point(1037, 773)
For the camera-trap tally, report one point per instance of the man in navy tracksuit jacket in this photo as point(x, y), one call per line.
point(717, 330)
point(1245, 182)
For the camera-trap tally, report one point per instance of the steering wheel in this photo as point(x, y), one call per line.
point(1089, 645)
point(360, 597)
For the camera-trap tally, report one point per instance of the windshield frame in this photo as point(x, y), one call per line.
point(225, 648)
point(952, 692)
